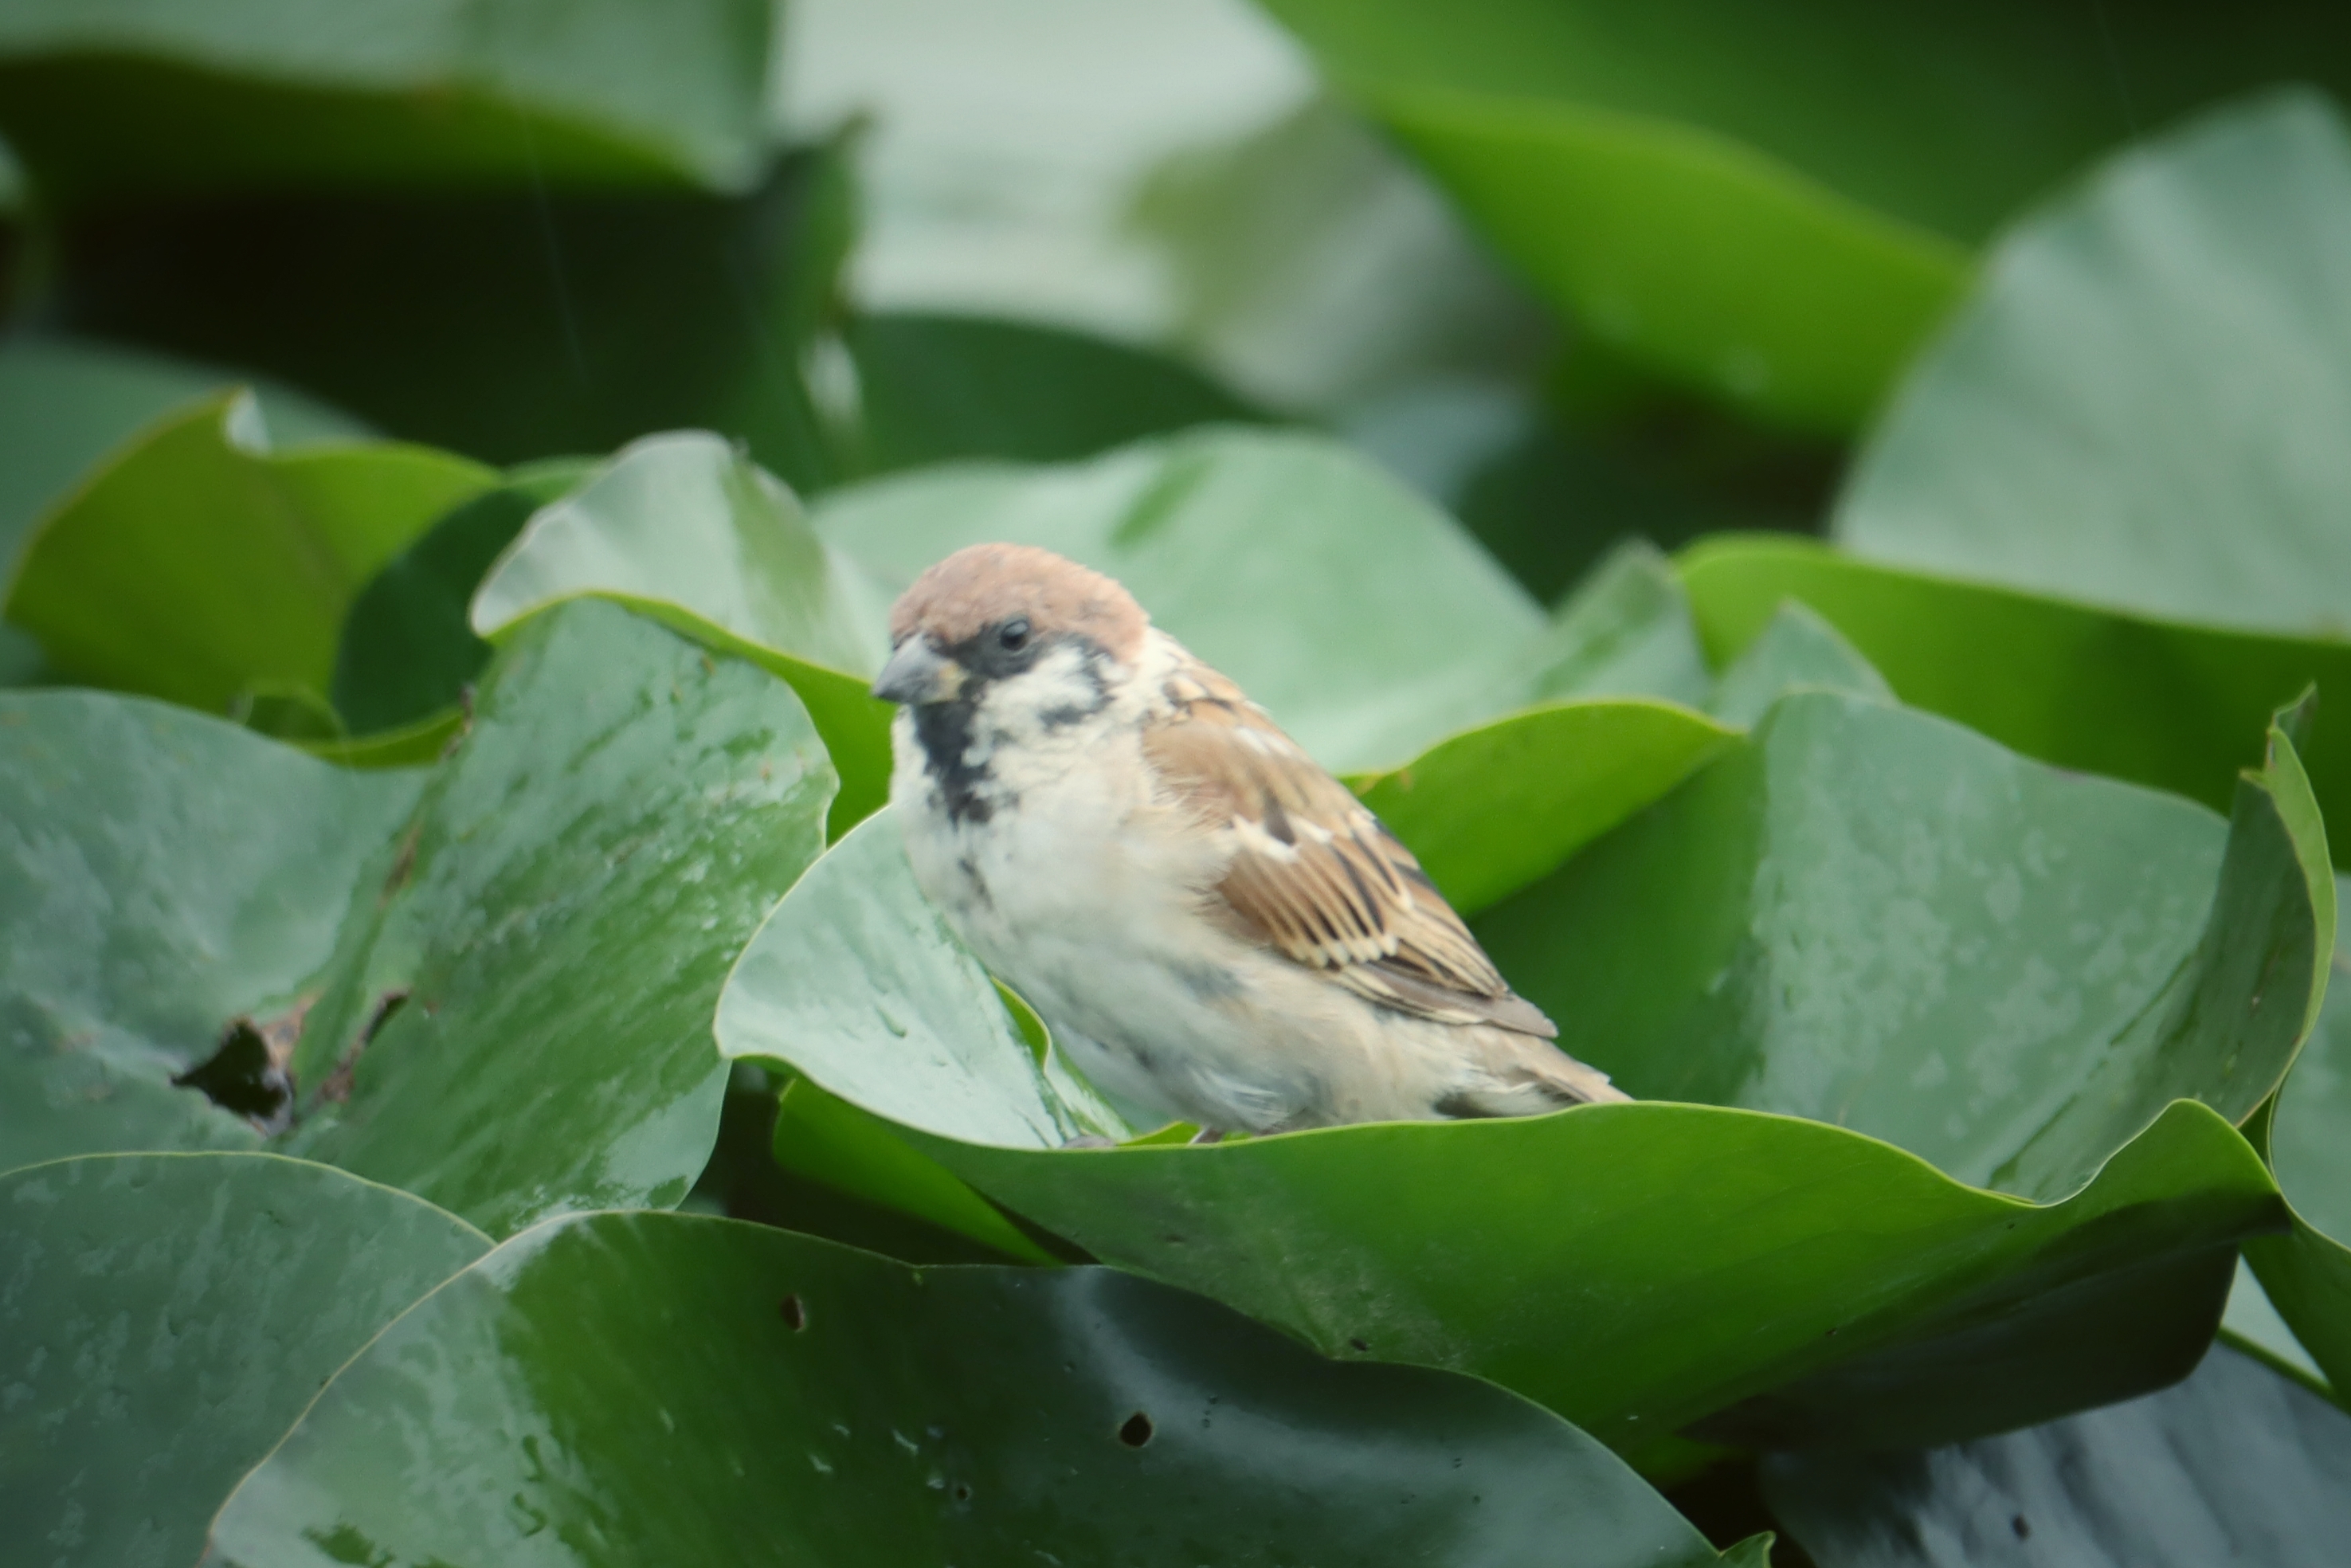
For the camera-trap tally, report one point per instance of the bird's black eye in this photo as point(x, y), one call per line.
point(1014, 635)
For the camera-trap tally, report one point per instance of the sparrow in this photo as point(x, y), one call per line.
point(1213, 927)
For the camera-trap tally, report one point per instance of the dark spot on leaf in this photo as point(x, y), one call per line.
point(385, 1005)
point(403, 863)
point(795, 1315)
point(2023, 1531)
point(242, 1077)
point(337, 1085)
point(962, 1492)
point(1136, 1431)
point(1359, 1345)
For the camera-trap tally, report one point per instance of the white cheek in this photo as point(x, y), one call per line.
point(1031, 708)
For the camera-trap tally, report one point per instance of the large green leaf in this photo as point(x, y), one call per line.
point(933, 388)
point(2143, 404)
point(2236, 1465)
point(1870, 916)
point(1365, 620)
point(1492, 809)
point(1773, 203)
point(198, 564)
point(65, 405)
point(107, 98)
point(1636, 1268)
point(509, 326)
point(809, 1401)
point(1687, 252)
point(161, 874)
point(2181, 707)
point(165, 1318)
point(2307, 1137)
point(686, 530)
point(504, 1004)
point(518, 1024)
point(407, 649)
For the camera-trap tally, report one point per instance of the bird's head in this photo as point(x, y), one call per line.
point(1017, 628)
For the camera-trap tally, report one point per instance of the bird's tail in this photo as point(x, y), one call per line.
point(1526, 1077)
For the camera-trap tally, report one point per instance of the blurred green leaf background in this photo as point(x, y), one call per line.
point(1826, 527)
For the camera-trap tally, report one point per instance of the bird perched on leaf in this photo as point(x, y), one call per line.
point(1214, 927)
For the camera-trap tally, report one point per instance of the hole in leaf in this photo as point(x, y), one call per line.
point(1136, 1431)
point(962, 1492)
point(795, 1315)
point(243, 1076)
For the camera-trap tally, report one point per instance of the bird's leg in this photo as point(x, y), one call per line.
point(1208, 1135)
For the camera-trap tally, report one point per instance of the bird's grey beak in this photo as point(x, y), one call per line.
point(916, 674)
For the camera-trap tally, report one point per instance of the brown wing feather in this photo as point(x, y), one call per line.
point(1314, 875)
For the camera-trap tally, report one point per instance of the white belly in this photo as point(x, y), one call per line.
point(1074, 891)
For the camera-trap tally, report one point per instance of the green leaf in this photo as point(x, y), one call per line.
point(1872, 917)
point(2051, 441)
point(510, 325)
point(1774, 204)
point(162, 875)
point(686, 530)
point(1365, 620)
point(198, 563)
point(827, 1404)
point(1797, 651)
point(1687, 252)
point(66, 404)
point(932, 388)
point(2236, 1465)
point(518, 1023)
point(2181, 707)
point(1688, 1257)
point(167, 1317)
point(110, 100)
point(1489, 810)
point(407, 650)
point(2307, 1140)
point(1625, 628)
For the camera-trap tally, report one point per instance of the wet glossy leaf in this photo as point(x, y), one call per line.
point(934, 388)
point(2307, 1273)
point(2052, 440)
point(1773, 205)
point(1687, 1259)
point(105, 100)
point(165, 1318)
point(161, 874)
point(1365, 620)
point(407, 650)
point(2181, 707)
point(198, 563)
point(510, 324)
point(518, 1023)
point(2236, 1465)
point(832, 1405)
point(684, 529)
point(1871, 916)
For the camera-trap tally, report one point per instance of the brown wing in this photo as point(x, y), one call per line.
point(1314, 875)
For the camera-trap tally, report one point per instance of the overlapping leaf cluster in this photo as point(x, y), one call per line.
point(478, 1081)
